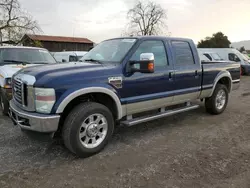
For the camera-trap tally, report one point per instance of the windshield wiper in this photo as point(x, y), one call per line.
point(16, 62)
point(93, 60)
point(40, 62)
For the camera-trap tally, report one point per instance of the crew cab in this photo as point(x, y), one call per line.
point(14, 58)
point(122, 81)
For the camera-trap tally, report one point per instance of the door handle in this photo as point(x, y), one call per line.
point(170, 76)
point(196, 74)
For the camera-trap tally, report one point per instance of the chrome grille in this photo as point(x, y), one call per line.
point(18, 91)
point(23, 92)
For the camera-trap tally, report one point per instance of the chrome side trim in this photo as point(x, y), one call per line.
point(144, 106)
point(234, 81)
point(137, 107)
point(186, 97)
point(77, 93)
point(218, 77)
point(158, 115)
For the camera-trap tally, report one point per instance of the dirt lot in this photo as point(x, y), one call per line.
point(193, 149)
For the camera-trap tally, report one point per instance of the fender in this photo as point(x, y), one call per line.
point(220, 75)
point(83, 91)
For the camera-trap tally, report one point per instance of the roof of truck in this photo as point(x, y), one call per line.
point(154, 37)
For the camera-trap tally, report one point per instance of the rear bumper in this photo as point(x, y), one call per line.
point(33, 121)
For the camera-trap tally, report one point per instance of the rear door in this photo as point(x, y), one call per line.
point(188, 72)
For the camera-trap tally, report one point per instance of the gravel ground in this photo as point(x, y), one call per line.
point(192, 149)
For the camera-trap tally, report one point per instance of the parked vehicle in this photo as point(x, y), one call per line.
point(212, 56)
point(120, 79)
point(231, 54)
point(203, 57)
point(14, 58)
point(69, 56)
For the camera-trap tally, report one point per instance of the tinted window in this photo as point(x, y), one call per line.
point(155, 47)
point(216, 56)
point(26, 55)
point(72, 58)
point(183, 53)
point(233, 57)
point(208, 56)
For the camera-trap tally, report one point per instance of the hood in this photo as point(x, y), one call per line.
point(54, 75)
point(9, 70)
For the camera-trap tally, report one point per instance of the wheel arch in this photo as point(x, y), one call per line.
point(92, 91)
point(225, 78)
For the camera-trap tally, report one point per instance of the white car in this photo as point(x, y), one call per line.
point(69, 56)
point(14, 58)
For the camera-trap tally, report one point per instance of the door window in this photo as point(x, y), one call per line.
point(152, 46)
point(208, 56)
point(72, 58)
point(183, 53)
point(233, 57)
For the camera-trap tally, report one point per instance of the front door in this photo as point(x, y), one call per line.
point(146, 91)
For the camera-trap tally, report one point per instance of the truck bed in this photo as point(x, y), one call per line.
point(212, 69)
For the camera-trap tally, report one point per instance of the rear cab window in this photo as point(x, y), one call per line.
point(183, 53)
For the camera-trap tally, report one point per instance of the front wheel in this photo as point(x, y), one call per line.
point(217, 103)
point(88, 128)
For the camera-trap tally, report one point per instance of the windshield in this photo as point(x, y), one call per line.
point(34, 56)
point(247, 57)
point(110, 50)
point(243, 56)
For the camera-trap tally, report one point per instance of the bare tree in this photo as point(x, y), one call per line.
point(147, 19)
point(14, 22)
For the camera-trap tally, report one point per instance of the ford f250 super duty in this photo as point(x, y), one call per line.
point(121, 81)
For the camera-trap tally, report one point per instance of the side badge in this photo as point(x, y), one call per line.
point(116, 81)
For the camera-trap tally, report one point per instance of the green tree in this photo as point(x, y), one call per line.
point(242, 49)
point(218, 40)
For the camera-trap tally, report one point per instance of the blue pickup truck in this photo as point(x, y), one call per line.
point(121, 81)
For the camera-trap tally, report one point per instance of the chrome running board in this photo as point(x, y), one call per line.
point(130, 121)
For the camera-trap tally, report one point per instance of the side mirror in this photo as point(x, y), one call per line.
point(145, 65)
point(64, 60)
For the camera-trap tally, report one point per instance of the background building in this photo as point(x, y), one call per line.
point(57, 43)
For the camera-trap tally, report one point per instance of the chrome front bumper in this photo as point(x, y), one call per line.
point(33, 121)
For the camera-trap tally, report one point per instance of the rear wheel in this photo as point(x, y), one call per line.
point(217, 103)
point(88, 128)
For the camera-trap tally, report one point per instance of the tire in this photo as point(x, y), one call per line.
point(242, 71)
point(4, 104)
point(212, 104)
point(79, 134)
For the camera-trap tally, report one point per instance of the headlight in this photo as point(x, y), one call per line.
point(8, 83)
point(44, 99)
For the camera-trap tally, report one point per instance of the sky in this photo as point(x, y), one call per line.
point(99, 20)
